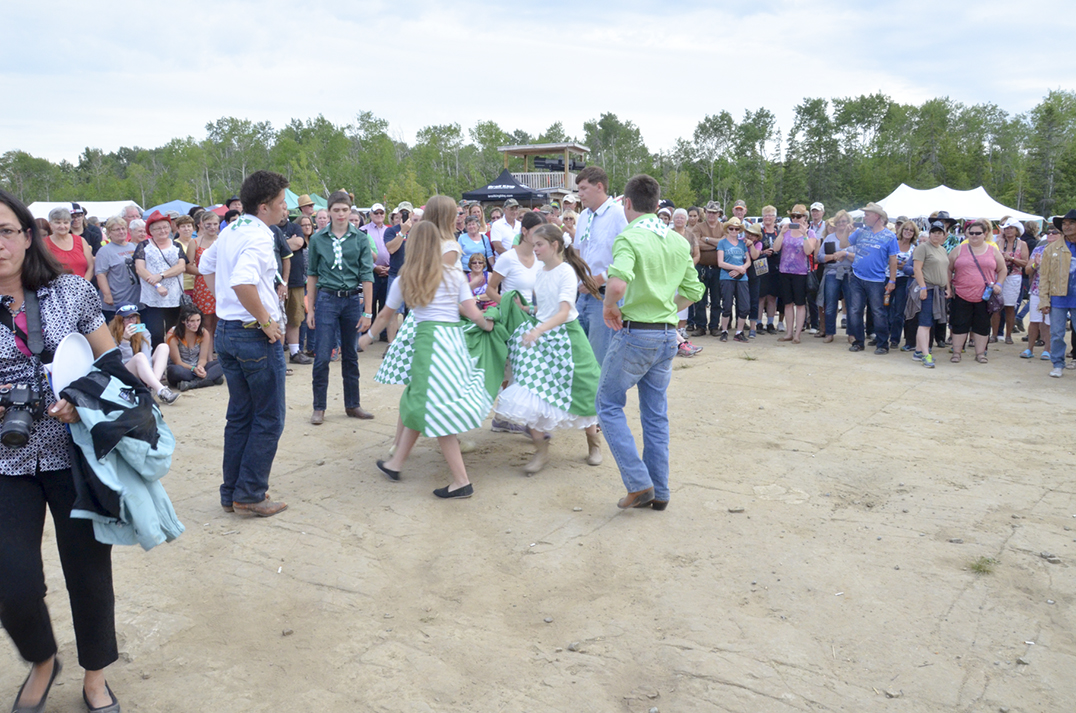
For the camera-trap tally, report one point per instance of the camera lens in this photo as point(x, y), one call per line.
point(15, 432)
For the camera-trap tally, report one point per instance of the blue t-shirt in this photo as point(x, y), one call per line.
point(872, 253)
point(396, 259)
point(1069, 300)
point(734, 255)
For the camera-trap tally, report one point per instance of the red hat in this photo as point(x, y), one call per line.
point(155, 217)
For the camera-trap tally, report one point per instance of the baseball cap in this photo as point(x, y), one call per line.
point(570, 198)
point(818, 206)
point(404, 205)
point(76, 209)
point(740, 204)
point(127, 309)
point(511, 203)
point(377, 207)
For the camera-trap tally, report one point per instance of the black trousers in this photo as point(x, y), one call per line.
point(87, 567)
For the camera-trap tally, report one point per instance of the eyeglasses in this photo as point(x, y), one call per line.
point(796, 215)
point(8, 233)
point(975, 234)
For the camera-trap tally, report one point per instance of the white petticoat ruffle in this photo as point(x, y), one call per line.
point(521, 405)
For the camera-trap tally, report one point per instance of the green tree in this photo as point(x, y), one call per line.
point(617, 146)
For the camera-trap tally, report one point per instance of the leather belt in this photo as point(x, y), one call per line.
point(341, 293)
point(646, 325)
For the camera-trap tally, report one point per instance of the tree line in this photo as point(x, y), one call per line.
point(843, 152)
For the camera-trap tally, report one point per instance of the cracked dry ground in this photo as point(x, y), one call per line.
point(868, 484)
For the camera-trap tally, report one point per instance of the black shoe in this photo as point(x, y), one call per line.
point(465, 492)
point(856, 347)
point(872, 343)
point(393, 475)
point(770, 329)
point(881, 350)
point(715, 332)
point(1023, 338)
point(113, 707)
point(57, 667)
point(724, 336)
point(300, 358)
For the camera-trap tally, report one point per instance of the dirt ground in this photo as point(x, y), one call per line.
point(868, 487)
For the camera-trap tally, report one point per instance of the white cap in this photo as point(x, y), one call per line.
point(376, 207)
point(818, 206)
point(1014, 223)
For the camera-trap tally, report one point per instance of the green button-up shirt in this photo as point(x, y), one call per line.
point(358, 263)
point(656, 267)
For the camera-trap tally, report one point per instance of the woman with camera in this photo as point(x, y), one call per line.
point(38, 474)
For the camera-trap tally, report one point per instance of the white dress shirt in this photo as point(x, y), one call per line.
point(503, 233)
point(243, 255)
point(595, 232)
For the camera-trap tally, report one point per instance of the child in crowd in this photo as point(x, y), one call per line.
point(734, 256)
point(134, 342)
point(554, 372)
point(445, 393)
point(190, 346)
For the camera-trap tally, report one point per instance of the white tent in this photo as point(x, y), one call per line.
point(102, 209)
point(972, 204)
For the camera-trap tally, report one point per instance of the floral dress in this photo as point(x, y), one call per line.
point(203, 296)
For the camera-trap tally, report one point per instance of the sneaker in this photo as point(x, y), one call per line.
point(780, 326)
point(1027, 354)
point(167, 396)
point(812, 330)
point(917, 355)
point(724, 336)
point(770, 329)
point(856, 347)
point(715, 332)
point(1045, 356)
point(752, 334)
point(928, 361)
point(907, 348)
point(694, 349)
point(881, 350)
point(872, 343)
point(1057, 372)
point(683, 351)
point(740, 338)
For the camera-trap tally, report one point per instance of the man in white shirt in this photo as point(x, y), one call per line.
point(503, 232)
point(598, 225)
point(241, 267)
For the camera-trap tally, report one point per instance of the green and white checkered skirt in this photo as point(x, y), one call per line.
point(396, 366)
point(446, 392)
point(554, 382)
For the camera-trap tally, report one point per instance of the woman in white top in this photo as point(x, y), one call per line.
point(554, 372)
point(446, 393)
point(518, 268)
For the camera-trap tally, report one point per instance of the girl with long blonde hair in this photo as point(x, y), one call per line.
point(445, 393)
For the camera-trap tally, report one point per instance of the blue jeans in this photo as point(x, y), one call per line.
point(1058, 332)
point(641, 358)
point(335, 322)
point(898, 300)
point(254, 370)
point(593, 324)
point(865, 293)
point(833, 290)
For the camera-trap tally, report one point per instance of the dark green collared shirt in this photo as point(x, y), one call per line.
point(357, 263)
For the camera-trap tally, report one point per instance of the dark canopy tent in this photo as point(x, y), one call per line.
point(502, 188)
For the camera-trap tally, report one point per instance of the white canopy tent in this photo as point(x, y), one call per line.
point(102, 209)
point(972, 204)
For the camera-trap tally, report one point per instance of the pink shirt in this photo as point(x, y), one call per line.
point(968, 283)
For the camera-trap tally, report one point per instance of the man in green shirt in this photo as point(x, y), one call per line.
point(339, 283)
point(654, 275)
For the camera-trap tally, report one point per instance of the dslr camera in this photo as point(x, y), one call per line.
point(23, 405)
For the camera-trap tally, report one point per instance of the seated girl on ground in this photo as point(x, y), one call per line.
point(134, 341)
point(190, 348)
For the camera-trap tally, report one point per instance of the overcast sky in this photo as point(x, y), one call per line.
point(126, 73)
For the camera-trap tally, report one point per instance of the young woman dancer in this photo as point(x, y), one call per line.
point(445, 393)
point(554, 372)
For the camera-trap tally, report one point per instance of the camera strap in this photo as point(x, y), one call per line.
point(35, 340)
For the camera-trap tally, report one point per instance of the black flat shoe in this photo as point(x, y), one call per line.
point(113, 707)
point(465, 492)
point(16, 708)
point(393, 475)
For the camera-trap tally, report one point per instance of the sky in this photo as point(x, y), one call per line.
point(127, 73)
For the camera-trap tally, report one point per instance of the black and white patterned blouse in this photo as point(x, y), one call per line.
point(68, 304)
point(157, 261)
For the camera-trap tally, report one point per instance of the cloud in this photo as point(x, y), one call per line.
point(146, 73)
